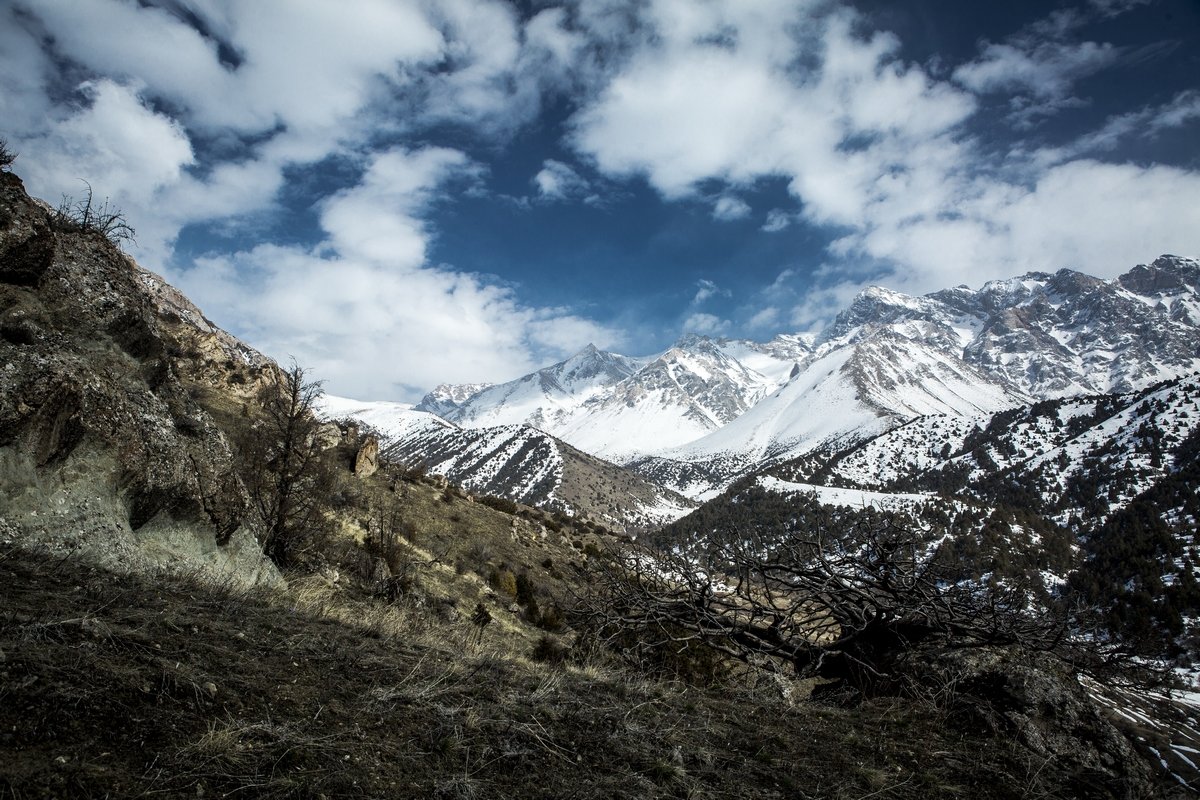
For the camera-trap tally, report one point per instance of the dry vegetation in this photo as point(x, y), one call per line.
point(119, 685)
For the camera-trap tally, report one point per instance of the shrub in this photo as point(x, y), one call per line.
point(86, 216)
point(552, 619)
point(526, 594)
point(504, 582)
point(549, 651)
point(498, 503)
point(7, 157)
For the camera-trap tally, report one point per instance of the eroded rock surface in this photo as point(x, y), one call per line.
point(105, 449)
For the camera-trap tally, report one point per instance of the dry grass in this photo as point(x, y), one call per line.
point(113, 685)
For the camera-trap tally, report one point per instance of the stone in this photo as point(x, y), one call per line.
point(366, 462)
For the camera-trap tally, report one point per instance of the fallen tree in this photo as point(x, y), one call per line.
point(849, 607)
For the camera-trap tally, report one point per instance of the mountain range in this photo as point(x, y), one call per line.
point(1043, 433)
point(692, 419)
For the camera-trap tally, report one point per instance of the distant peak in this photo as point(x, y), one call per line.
point(691, 340)
point(1167, 274)
point(591, 353)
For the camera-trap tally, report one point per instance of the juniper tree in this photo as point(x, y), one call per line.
point(285, 471)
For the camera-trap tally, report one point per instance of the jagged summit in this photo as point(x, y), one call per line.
point(446, 397)
point(888, 357)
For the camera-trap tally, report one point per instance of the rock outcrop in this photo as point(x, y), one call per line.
point(366, 462)
point(105, 450)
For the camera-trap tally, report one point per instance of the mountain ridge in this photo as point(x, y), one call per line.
point(720, 407)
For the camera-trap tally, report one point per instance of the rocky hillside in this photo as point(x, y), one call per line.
point(106, 445)
point(137, 688)
point(517, 462)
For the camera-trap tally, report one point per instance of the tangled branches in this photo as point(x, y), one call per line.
point(88, 216)
point(848, 607)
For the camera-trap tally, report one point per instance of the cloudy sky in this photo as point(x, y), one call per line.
point(406, 192)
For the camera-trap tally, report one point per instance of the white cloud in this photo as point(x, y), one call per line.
point(1038, 67)
point(1096, 217)
point(1143, 124)
point(702, 99)
point(777, 220)
point(365, 311)
point(1046, 70)
point(879, 149)
point(1113, 8)
point(707, 324)
point(114, 141)
point(124, 150)
point(706, 289)
point(558, 181)
point(264, 87)
point(380, 219)
point(764, 319)
point(683, 112)
point(729, 208)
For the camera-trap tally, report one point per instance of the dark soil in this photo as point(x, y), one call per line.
point(120, 686)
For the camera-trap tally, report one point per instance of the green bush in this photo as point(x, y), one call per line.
point(498, 503)
point(504, 582)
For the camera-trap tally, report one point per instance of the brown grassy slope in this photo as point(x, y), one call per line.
point(124, 686)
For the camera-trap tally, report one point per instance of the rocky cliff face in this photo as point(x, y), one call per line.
point(105, 448)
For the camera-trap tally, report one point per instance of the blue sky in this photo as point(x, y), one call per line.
point(401, 193)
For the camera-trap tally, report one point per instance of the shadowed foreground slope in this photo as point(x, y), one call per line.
point(116, 685)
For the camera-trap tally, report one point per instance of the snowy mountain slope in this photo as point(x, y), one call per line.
point(446, 398)
point(546, 398)
point(844, 395)
point(524, 464)
point(392, 420)
point(518, 462)
point(1068, 333)
point(853, 498)
point(1073, 457)
point(621, 408)
point(961, 353)
point(705, 411)
point(819, 404)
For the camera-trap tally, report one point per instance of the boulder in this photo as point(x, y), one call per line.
point(366, 461)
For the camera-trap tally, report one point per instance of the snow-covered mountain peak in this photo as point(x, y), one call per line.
point(1167, 276)
point(587, 369)
point(875, 306)
point(887, 358)
point(445, 398)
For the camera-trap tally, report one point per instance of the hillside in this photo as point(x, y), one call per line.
point(110, 396)
point(127, 687)
point(517, 462)
point(420, 639)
